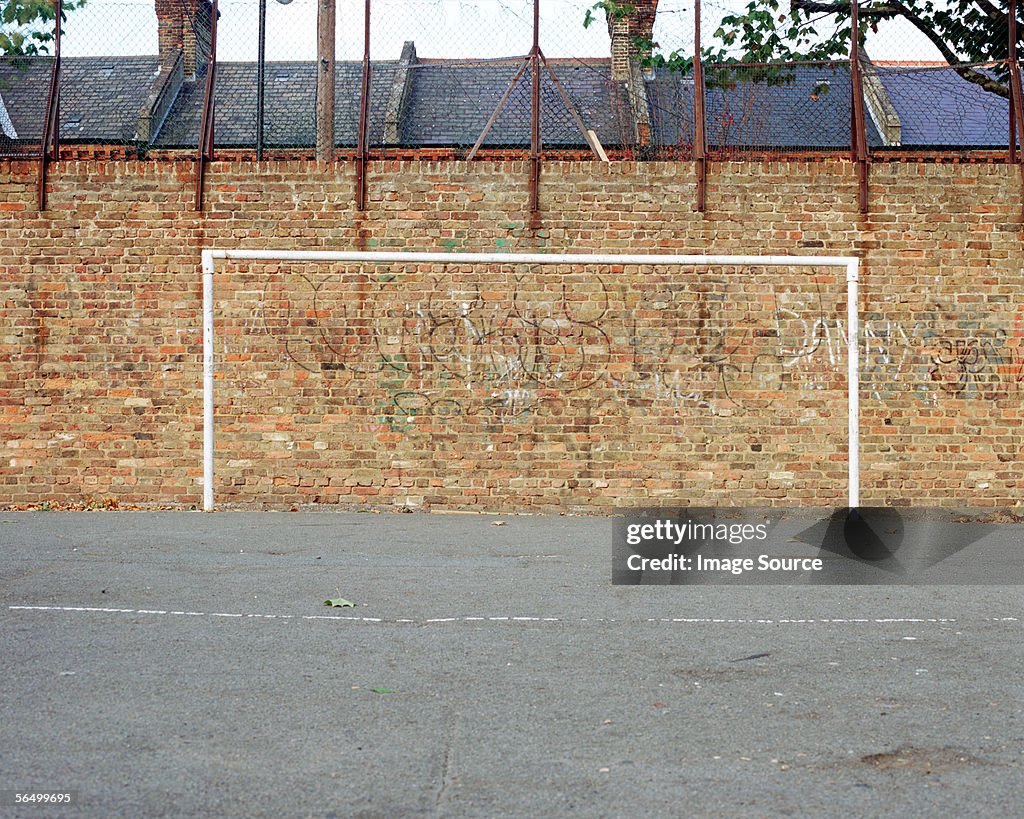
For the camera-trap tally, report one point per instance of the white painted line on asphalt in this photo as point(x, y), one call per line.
point(832, 621)
point(75, 608)
point(331, 617)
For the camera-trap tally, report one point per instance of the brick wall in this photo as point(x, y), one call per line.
point(510, 388)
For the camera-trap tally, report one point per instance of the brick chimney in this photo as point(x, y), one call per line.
point(183, 26)
point(627, 61)
point(638, 23)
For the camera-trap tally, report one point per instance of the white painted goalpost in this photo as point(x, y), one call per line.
point(849, 263)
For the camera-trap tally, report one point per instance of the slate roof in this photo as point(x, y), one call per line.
point(23, 87)
point(806, 106)
point(100, 97)
point(451, 103)
point(289, 106)
point(803, 106)
point(938, 108)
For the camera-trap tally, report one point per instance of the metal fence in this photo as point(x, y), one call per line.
point(647, 79)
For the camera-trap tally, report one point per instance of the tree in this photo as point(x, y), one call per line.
point(28, 25)
point(963, 32)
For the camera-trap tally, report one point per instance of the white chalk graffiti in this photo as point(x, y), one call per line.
point(503, 346)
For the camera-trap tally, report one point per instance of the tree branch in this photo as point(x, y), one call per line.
point(868, 12)
point(885, 11)
point(993, 14)
point(895, 8)
point(971, 75)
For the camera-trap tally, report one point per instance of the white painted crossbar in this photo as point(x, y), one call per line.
point(849, 263)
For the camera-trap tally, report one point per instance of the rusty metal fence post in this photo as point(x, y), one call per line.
point(699, 124)
point(261, 77)
point(535, 143)
point(858, 129)
point(205, 153)
point(364, 114)
point(50, 146)
point(1016, 93)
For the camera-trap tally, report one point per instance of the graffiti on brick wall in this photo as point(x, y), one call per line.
point(490, 351)
point(940, 353)
point(986, 368)
point(723, 346)
point(499, 349)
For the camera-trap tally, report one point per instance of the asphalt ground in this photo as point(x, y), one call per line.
point(183, 664)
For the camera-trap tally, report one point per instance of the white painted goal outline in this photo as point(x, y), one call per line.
point(849, 263)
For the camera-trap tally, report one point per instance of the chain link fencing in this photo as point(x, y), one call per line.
point(457, 76)
point(938, 108)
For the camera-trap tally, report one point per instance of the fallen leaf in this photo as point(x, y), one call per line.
point(382, 690)
point(339, 602)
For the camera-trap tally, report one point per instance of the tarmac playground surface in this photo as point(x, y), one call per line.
point(183, 664)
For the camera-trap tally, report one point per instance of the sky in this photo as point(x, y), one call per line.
point(440, 29)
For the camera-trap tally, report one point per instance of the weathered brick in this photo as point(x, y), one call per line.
point(504, 387)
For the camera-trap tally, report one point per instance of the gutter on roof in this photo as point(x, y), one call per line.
point(883, 113)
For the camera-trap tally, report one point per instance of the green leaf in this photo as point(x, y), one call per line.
point(382, 690)
point(339, 602)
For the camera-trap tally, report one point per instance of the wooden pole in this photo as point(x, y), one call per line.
point(325, 26)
